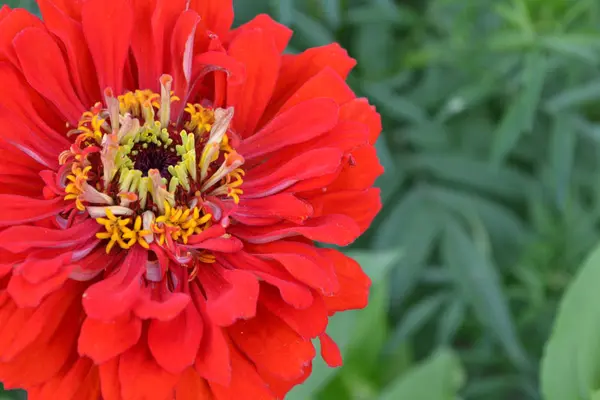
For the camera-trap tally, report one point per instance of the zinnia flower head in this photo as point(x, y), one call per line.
point(164, 181)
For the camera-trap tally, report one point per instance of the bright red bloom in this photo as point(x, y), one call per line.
point(164, 180)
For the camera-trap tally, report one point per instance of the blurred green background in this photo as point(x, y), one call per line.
point(491, 198)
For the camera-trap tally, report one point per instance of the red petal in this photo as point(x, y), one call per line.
point(19, 209)
point(263, 181)
point(301, 123)
point(109, 48)
point(361, 173)
point(4, 11)
point(23, 326)
point(175, 343)
point(109, 380)
point(334, 229)
point(164, 306)
point(33, 111)
point(308, 323)
point(281, 34)
point(303, 262)
point(44, 68)
point(246, 383)
point(27, 294)
point(70, 32)
point(163, 23)
point(327, 83)
point(182, 54)
point(294, 293)
point(11, 24)
point(354, 283)
point(143, 46)
point(272, 345)
point(51, 351)
point(257, 51)
point(192, 387)
point(330, 351)
point(296, 70)
point(281, 206)
point(221, 245)
point(230, 294)
point(359, 110)
point(20, 238)
point(41, 265)
point(216, 14)
point(213, 362)
point(280, 387)
point(116, 294)
point(79, 381)
point(23, 139)
point(142, 378)
point(362, 206)
point(102, 341)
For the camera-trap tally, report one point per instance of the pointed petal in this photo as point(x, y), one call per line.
point(20, 209)
point(13, 22)
point(301, 123)
point(81, 66)
point(217, 15)
point(335, 229)
point(298, 69)
point(109, 49)
point(330, 351)
point(281, 34)
point(257, 51)
point(20, 238)
point(44, 68)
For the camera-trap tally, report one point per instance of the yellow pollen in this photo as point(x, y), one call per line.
point(74, 189)
point(138, 173)
point(116, 228)
point(179, 223)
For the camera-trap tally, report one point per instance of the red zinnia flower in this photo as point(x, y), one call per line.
point(164, 180)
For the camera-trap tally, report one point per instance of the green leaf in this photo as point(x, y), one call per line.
point(416, 317)
point(476, 278)
point(571, 362)
point(574, 97)
point(285, 10)
point(562, 155)
point(438, 378)
point(521, 114)
point(312, 30)
point(505, 182)
point(451, 320)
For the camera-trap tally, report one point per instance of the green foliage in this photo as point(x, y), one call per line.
point(491, 196)
point(571, 364)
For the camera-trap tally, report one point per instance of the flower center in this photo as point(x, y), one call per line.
point(145, 177)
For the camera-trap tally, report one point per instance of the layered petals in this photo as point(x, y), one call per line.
point(165, 181)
